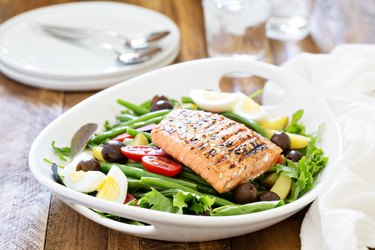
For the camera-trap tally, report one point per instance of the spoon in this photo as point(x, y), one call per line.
point(130, 58)
point(125, 56)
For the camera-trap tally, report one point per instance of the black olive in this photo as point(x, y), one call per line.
point(245, 193)
point(294, 155)
point(158, 98)
point(162, 104)
point(282, 140)
point(112, 152)
point(268, 196)
point(88, 165)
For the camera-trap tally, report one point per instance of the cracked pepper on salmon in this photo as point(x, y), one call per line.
point(223, 152)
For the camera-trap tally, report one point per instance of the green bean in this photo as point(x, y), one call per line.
point(246, 208)
point(135, 164)
point(256, 93)
point(186, 99)
point(153, 117)
point(193, 176)
point(166, 184)
point(206, 189)
point(108, 134)
point(149, 116)
point(125, 117)
point(202, 185)
point(134, 132)
point(137, 184)
point(147, 122)
point(139, 173)
point(135, 108)
point(146, 104)
point(146, 117)
point(173, 185)
point(169, 192)
point(247, 122)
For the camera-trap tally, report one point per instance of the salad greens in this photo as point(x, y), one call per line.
point(61, 152)
point(187, 192)
point(302, 172)
point(246, 208)
point(181, 202)
point(295, 126)
point(156, 201)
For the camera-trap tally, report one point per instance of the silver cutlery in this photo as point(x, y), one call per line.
point(140, 56)
point(131, 50)
point(77, 33)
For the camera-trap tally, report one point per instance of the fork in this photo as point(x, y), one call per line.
point(81, 33)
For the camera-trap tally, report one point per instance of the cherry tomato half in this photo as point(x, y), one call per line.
point(280, 159)
point(161, 165)
point(129, 198)
point(122, 137)
point(136, 152)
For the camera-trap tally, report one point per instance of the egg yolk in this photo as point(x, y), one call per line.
point(110, 189)
point(77, 176)
point(249, 106)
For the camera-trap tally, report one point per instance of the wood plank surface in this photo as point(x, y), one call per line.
point(32, 218)
point(24, 112)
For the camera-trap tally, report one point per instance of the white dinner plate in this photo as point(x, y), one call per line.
point(176, 81)
point(25, 50)
point(80, 84)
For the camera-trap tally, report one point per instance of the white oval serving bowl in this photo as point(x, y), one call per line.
point(176, 81)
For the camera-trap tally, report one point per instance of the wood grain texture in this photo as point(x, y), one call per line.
point(32, 218)
point(67, 229)
point(24, 112)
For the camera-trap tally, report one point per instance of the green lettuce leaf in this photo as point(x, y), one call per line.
point(303, 171)
point(295, 126)
point(194, 202)
point(156, 201)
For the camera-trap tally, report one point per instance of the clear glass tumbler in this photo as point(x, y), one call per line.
point(236, 27)
point(290, 19)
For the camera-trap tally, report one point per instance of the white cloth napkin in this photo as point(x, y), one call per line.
point(343, 215)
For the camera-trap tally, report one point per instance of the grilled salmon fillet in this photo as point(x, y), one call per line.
point(223, 152)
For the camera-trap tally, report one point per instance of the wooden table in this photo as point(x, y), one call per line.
point(33, 218)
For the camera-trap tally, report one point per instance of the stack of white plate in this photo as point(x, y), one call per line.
point(43, 61)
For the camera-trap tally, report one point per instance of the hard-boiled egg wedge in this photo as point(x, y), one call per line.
point(213, 101)
point(249, 109)
point(115, 186)
point(84, 182)
point(71, 167)
point(81, 181)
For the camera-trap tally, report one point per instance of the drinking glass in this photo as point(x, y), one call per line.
point(236, 27)
point(290, 19)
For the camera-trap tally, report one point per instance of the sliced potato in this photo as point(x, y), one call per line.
point(97, 153)
point(127, 141)
point(276, 123)
point(139, 139)
point(282, 186)
point(270, 132)
point(270, 180)
point(296, 141)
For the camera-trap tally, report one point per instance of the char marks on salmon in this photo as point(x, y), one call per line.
point(223, 152)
